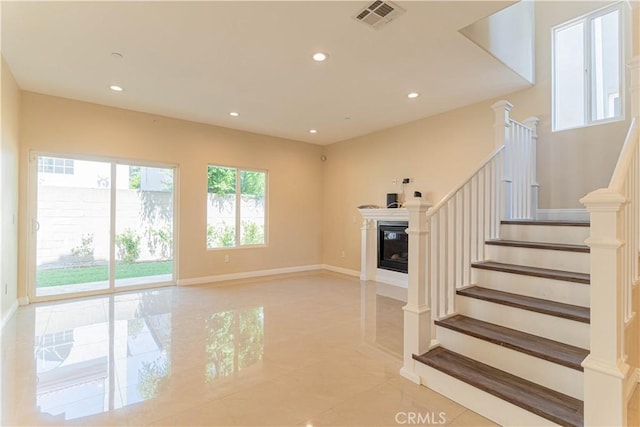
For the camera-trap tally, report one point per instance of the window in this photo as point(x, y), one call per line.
point(235, 207)
point(55, 165)
point(587, 70)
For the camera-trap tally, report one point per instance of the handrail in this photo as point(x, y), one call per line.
point(446, 239)
point(432, 211)
point(625, 158)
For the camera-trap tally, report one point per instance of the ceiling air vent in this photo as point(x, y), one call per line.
point(379, 13)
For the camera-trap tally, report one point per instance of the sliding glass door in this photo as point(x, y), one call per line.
point(144, 225)
point(100, 225)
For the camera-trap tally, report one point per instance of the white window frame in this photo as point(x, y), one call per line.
point(588, 54)
point(238, 217)
point(58, 166)
point(32, 215)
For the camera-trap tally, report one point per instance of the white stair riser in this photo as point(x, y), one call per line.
point(543, 258)
point(537, 287)
point(547, 374)
point(485, 404)
point(545, 233)
point(539, 324)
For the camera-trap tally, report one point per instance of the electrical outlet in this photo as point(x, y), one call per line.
point(343, 254)
point(226, 258)
point(394, 181)
point(6, 288)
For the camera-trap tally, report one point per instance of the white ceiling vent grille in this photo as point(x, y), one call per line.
point(379, 13)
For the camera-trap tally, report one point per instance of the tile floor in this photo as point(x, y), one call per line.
point(309, 350)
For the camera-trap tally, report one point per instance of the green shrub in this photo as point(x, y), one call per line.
point(128, 245)
point(221, 236)
point(85, 248)
point(160, 241)
point(252, 233)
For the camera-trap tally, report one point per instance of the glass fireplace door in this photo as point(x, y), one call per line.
point(393, 246)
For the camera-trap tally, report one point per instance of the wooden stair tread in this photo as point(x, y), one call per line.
point(543, 348)
point(553, 308)
point(547, 222)
point(568, 276)
point(547, 403)
point(539, 245)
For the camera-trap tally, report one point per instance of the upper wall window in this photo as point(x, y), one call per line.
point(587, 70)
point(236, 207)
point(55, 165)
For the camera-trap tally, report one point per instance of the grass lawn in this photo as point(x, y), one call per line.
point(98, 273)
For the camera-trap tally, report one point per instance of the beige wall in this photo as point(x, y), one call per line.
point(9, 191)
point(440, 151)
point(436, 152)
point(295, 176)
point(571, 163)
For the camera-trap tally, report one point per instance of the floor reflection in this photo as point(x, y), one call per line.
point(383, 317)
point(101, 354)
point(235, 340)
point(289, 349)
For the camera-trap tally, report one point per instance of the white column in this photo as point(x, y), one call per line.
point(605, 369)
point(417, 314)
point(368, 250)
point(532, 123)
point(501, 123)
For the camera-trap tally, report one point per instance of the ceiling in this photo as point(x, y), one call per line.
point(199, 61)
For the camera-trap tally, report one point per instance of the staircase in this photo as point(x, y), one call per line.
point(513, 349)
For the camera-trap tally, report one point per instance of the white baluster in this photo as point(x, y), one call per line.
point(460, 266)
point(466, 234)
point(451, 243)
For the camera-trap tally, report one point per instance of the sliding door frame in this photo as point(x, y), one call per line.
point(32, 216)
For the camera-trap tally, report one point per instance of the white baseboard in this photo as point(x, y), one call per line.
point(247, 275)
point(8, 314)
point(341, 270)
point(392, 278)
point(562, 215)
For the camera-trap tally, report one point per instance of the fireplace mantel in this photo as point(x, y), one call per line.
point(369, 251)
point(395, 214)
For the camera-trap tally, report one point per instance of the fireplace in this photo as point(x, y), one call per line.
point(393, 246)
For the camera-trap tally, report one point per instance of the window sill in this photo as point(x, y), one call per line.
point(233, 248)
point(601, 122)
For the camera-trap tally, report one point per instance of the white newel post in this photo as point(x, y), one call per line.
point(532, 123)
point(417, 314)
point(368, 249)
point(605, 368)
point(501, 124)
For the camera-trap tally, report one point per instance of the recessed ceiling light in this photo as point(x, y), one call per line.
point(234, 114)
point(116, 88)
point(313, 131)
point(413, 95)
point(319, 56)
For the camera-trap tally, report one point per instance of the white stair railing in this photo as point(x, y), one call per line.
point(457, 228)
point(614, 240)
point(520, 182)
point(446, 239)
